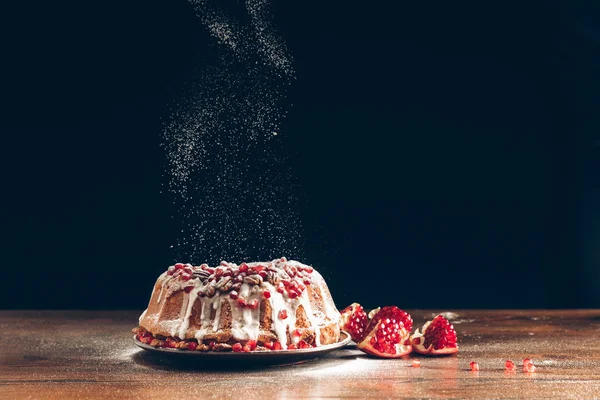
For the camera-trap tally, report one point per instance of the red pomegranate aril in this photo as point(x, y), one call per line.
point(263, 274)
point(307, 282)
point(283, 314)
point(210, 270)
point(241, 301)
point(509, 365)
point(188, 289)
point(280, 287)
point(192, 346)
point(292, 294)
point(258, 268)
point(474, 366)
point(297, 333)
point(233, 295)
point(237, 348)
point(416, 363)
point(528, 365)
point(219, 272)
point(243, 267)
point(269, 345)
point(354, 321)
point(303, 345)
point(178, 266)
point(252, 343)
point(529, 368)
point(186, 277)
point(246, 349)
point(277, 346)
point(253, 304)
point(267, 294)
point(292, 347)
point(308, 269)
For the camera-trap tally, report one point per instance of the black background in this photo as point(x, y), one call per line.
point(448, 153)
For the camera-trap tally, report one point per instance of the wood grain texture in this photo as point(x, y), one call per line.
point(77, 354)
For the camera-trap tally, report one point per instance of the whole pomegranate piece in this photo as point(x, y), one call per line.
point(354, 321)
point(437, 337)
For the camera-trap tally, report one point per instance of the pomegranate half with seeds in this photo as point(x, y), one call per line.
point(354, 321)
point(390, 312)
point(437, 337)
point(388, 338)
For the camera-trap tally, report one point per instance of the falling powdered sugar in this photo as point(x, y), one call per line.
point(228, 176)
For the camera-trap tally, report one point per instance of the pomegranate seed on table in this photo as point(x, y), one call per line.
point(474, 366)
point(528, 365)
point(510, 365)
point(416, 363)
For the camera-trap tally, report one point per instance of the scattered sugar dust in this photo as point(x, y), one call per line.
point(233, 193)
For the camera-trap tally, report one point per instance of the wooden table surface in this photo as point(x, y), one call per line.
point(90, 354)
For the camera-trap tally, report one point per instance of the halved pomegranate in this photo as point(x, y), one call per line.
point(354, 321)
point(389, 312)
point(387, 339)
point(438, 337)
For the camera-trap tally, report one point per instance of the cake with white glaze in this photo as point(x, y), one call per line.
point(275, 305)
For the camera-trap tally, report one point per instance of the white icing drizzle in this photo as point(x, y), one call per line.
point(191, 299)
point(206, 323)
point(330, 311)
point(245, 323)
point(166, 279)
point(305, 302)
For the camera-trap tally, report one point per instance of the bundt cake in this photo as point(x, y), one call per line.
point(273, 305)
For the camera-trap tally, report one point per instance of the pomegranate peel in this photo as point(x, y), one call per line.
point(373, 312)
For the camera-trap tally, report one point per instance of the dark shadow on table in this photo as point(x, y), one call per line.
point(178, 363)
